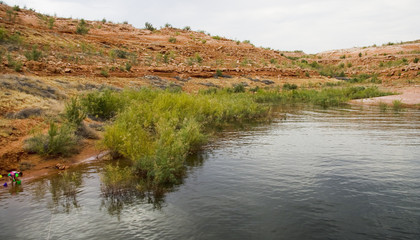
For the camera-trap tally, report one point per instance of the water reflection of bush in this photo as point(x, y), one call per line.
point(63, 188)
point(137, 191)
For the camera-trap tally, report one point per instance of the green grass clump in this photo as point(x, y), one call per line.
point(383, 106)
point(58, 141)
point(397, 105)
point(82, 27)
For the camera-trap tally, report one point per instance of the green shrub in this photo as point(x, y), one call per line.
point(198, 58)
point(167, 25)
point(343, 57)
point(331, 71)
point(216, 37)
point(288, 86)
point(58, 141)
point(120, 53)
point(3, 34)
point(16, 8)
point(219, 73)
point(149, 26)
point(105, 72)
point(172, 40)
point(128, 66)
point(360, 54)
point(383, 106)
point(51, 21)
point(397, 105)
point(16, 65)
point(103, 104)
point(82, 27)
point(34, 54)
point(239, 88)
point(187, 28)
point(74, 112)
point(416, 60)
point(11, 15)
point(273, 61)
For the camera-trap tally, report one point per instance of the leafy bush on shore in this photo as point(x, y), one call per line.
point(102, 104)
point(58, 141)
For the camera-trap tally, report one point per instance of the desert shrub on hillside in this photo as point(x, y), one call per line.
point(58, 141)
point(172, 40)
point(73, 112)
point(82, 28)
point(120, 53)
point(149, 26)
point(34, 54)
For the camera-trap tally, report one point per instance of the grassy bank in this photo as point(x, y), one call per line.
point(156, 129)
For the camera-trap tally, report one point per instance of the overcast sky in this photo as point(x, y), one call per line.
point(309, 25)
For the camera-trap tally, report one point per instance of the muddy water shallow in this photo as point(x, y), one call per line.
point(351, 173)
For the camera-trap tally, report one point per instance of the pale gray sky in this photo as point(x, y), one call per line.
point(309, 25)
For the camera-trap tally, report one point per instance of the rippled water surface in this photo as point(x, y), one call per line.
point(349, 173)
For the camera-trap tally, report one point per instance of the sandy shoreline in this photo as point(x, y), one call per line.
point(409, 96)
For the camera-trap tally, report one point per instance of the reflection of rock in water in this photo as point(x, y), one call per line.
point(64, 189)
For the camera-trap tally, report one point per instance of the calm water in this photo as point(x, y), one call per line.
point(311, 174)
